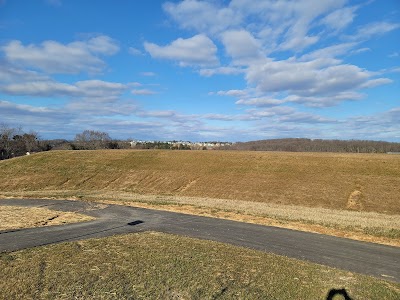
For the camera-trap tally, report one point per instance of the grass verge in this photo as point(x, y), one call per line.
point(15, 217)
point(162, 266)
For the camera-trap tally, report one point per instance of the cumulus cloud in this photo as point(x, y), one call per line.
point(242, 46)
point(309, 78)
point(287, 21)
point(9, 73)
point(198, 50)
point(202, 16)
point(54, 57)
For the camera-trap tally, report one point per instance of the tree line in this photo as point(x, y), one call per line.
point(15, 142)
point(318, 145)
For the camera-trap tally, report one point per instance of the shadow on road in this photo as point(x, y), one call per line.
point(135, 223)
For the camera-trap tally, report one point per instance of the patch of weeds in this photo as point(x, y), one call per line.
point(382, 232)
point(6, 257)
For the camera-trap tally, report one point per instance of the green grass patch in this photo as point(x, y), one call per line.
point(161, 266)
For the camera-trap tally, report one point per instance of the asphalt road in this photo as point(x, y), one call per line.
point(361, 257)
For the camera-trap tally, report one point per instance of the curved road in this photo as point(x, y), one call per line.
point(361, 257)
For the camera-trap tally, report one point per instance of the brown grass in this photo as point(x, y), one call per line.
point(14, 217)
point(307, 179)
point(354, 195)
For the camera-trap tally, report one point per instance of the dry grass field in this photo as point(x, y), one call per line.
point(362, 181)
point(14, 217)
point(343, 192)
point(161, 266)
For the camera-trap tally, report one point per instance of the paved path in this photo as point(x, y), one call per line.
point(361, 257)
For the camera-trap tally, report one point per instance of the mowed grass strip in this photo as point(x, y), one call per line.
point(161, 266)
point(365, 182)
point(15, 217)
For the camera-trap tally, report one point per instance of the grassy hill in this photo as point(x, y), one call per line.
point(367, 182)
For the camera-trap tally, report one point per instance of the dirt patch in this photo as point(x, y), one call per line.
point(354, 202)
point(15, 217)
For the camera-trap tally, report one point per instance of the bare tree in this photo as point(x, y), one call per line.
point(6, 141)
point(91, 140)
point(13, 142)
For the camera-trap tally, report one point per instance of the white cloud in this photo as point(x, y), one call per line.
point(284, 22)
point(301, 18)
point(219, 117)
point(7, 106)
point(308, 78)
point(329, 52)
point(197, 50)
point(32, 117)
point(54, 57)
point(135, 51)
point(234, 93)
point(374, 29)
point(303, 117)
point(340, 18)
point(158, 114)
point(260, 102)
point(95, 90)
point(376, 82)
point(221, 71)
point(325, 101)
point(242, 46)
point(202, 16)
point(12, 74)
point(102, 45)
point(143, 92)
point(39, 88)
point(79, 108)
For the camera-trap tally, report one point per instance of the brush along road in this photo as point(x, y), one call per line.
point(361, 257)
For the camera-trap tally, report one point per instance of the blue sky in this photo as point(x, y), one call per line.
point(202, 70)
